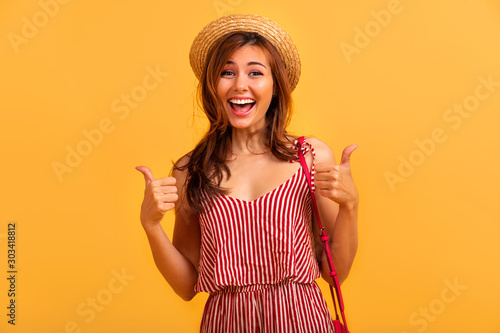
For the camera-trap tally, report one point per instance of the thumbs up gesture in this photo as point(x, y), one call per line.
point(160, 196)
point(334, 181)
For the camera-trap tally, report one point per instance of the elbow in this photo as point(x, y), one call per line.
point(342, 272)
point(344, 267)
point(342, 277)
point(187, 296)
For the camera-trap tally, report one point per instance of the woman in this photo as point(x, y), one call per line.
point(244, 231)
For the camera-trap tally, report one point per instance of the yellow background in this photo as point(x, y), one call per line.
point(436, 225)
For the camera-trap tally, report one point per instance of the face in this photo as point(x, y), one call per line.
point(246, 88)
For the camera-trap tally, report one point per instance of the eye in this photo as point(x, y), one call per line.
point(226, 73)
point(254, 73)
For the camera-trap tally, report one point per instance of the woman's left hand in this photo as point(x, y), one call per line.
point(334, 181)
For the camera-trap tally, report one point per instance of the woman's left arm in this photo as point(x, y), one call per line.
point(337, 199)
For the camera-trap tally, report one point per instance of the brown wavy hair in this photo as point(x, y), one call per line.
point(207, 164)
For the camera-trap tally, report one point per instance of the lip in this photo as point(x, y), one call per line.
point(242, 97)
point(241, 114)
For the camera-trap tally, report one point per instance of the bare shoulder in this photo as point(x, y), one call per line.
point(324, 153)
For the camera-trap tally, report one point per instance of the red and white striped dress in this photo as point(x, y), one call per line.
point(258, 264)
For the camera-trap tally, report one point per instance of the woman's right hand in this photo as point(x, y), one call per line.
point(160, 196)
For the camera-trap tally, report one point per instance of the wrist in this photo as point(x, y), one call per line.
point(151, 227)
point(351, 207)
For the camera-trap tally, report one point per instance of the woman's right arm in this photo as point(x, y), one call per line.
point(178, 260)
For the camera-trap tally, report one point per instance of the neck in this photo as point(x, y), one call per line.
point(243, 143)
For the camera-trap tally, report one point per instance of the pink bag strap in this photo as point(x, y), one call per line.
point(324, 239)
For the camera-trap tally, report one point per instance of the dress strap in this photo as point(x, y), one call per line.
point(305, 147)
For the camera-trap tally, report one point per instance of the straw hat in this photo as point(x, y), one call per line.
point(248, 23)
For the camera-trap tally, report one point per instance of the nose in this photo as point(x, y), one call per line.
point(240, 83)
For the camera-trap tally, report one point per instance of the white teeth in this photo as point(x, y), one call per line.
point(241, 101)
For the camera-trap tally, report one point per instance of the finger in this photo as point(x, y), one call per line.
point(148, 175)
point(326, 176)
point(166, 181)
point(168, 206)
point(168, 198)
point(324, 185)
point(324, 167)
point(160, 190)
point(328, 193)
point(173, 197)
point(346, 155)
point(169, 189)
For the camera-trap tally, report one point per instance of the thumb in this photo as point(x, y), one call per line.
point(346, 155)
point(148, 175)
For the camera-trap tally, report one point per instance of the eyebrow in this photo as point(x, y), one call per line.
point(249, 64)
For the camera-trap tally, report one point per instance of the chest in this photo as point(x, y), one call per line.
point(253, 177)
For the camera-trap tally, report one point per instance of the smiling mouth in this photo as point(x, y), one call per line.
point(242, 108)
